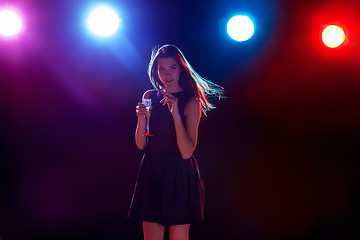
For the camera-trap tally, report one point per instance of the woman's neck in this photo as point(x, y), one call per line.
point(173, 90)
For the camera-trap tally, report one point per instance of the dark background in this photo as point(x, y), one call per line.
point(280, 155)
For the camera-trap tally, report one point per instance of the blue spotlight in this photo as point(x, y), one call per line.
point(240, 28)
point(103, 21)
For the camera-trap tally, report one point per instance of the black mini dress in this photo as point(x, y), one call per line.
point(169, 189)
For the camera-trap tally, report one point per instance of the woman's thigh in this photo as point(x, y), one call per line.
point(179, 232)
point(153, 231)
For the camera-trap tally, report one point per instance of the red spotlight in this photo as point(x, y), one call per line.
point(341, 21)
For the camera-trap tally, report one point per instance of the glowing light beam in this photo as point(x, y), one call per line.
point(240, 28)
point(10, 23)
point(103, 21)
point(333, 36)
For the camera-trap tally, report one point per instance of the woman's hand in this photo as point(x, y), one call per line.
point(172, 103)
point(141, 111)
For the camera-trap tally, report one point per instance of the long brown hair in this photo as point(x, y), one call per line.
point(203, 89)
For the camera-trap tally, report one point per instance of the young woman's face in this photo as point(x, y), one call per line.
point(169, 72)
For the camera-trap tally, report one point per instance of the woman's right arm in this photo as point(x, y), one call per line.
point(140, 131)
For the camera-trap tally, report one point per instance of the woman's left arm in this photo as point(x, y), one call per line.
point(186, 134)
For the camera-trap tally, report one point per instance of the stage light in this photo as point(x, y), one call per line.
point(333, 36)
point(103, 21)
point(240, 28)
point(10, 23)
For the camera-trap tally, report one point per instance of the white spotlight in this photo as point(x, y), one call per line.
point(333, 36)
point(103, 21)
point(10, 23)
point(240, 28)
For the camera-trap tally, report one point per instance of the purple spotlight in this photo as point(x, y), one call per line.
point(10, 23)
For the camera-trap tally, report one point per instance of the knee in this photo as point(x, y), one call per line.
point(178, 237)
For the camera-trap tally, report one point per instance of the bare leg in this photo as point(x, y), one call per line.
point(179, 232)
point(153, 231)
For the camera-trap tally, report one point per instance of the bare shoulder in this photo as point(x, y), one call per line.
point(192, 106)
point(147, 93)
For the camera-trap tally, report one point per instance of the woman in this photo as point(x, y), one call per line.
point(169, 190)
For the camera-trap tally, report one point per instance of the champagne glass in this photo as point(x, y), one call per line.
point(147, 104)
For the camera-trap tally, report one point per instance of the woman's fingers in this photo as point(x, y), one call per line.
point(141, 110)
point(168, 99)
point(165, 100)
point(140, 107)
point(169, 95)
